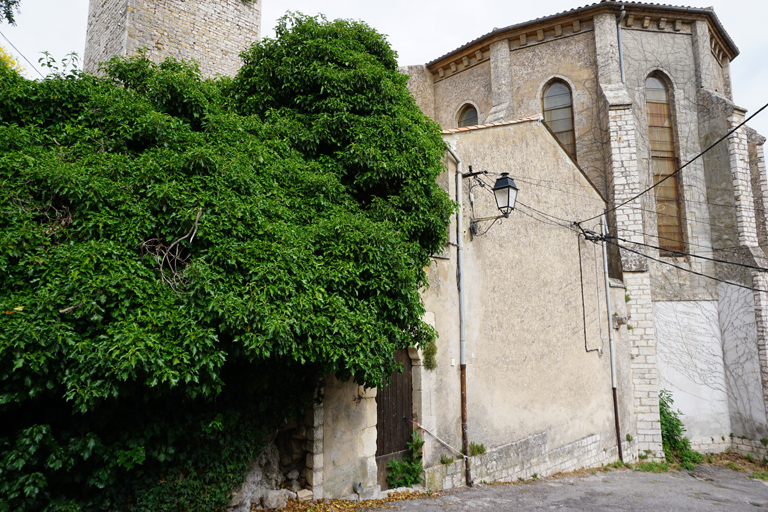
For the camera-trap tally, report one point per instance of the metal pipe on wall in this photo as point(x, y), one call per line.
point(604, 232)
point(462, 329)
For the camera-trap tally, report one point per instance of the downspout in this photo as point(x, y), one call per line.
point(621, 51)
point(604, 232)
point(462, 330)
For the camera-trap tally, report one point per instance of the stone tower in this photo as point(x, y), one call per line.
point(213, 32)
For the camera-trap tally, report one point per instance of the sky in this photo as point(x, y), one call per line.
point(419, 30)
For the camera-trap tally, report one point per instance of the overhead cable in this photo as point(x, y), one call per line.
point(17, 51)
point(685, 269)
point(731, 132)
point(693, 255)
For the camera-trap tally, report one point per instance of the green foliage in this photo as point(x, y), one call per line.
point(476, 449)
point(182, 260)
point(674, 442)
point(762, 475)
point(7, 8)
point(408, 472)
point(750, 457)
point(629, 438)
point(652, 467)
point(430, 351)
point(446, 460)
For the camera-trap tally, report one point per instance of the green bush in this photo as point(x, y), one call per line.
point(182, 260)
point(407, 473)
point(674, 442)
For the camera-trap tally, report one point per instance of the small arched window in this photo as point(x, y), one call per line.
point(558, 114)
point(664, 164)
point(467, 116)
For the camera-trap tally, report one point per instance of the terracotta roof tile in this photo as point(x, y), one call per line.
point(529, 119)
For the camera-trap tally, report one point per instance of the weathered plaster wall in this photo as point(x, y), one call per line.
point(213, 33)
point(528, 369)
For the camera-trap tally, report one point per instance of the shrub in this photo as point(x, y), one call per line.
point(674, 442)
point(182, 260)
point(407, 473)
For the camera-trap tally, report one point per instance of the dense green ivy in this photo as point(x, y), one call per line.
point(182, 261)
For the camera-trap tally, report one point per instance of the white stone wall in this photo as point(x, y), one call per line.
point(738, 152)
point(741, 361)
point(691, 365)
point(212, 33)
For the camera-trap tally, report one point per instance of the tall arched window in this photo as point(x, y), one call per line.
point(467, 116)
point(664, 164)
point(558, 114)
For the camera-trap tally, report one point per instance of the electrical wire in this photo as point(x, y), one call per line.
point(693, 255)
point(17, 51)
point(567, 222)
point(583, 303)
point(685, 269)
point(731, 132)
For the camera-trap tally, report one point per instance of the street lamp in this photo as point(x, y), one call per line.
point(505, 191)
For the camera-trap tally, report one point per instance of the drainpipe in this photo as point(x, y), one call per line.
point(604, 231)
point(621, 51)
point(462, 330)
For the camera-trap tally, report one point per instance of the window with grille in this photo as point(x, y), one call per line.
point(664, 163)
point(558, 114)
point(468, 116)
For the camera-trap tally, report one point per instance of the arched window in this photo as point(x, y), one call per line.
point(664, 164)
point(558, 114)
point(468, 116)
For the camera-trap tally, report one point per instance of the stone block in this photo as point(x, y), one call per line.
point(371, 414)
point(368, 442)
point(304, 495)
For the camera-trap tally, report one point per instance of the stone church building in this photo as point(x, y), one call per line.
point(592, 111)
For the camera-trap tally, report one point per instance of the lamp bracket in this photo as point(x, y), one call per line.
point(471, 173)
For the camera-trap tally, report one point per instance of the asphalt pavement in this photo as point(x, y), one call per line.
point(713, 488)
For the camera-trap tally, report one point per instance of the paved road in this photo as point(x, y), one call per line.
point(709, 488)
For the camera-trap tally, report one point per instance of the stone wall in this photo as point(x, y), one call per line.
point(524, 458)
point(212, 33)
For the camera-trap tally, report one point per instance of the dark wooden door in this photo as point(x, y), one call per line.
point(394, 402)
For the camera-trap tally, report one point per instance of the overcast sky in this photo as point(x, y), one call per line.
point(419, 30)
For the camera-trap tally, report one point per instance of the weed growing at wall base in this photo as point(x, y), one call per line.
point(408, 472)
point(676, 446)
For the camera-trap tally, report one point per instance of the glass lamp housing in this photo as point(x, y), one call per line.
point(505, 191)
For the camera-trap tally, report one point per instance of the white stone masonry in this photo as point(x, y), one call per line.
point(738, 152)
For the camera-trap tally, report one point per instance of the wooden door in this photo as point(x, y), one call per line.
point(394, 402)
